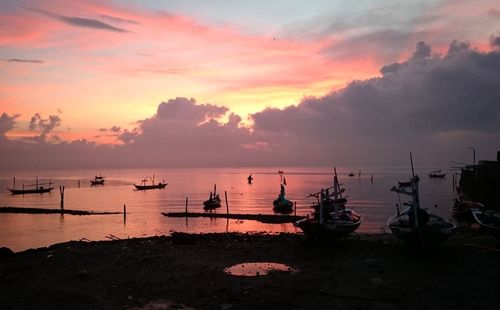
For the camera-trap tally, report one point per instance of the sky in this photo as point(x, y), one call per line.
point(157, 83)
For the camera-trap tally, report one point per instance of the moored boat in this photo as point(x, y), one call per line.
point(98, 180)
point(37, 188)
point(489, 220)
point(213, 201)
point(143, 186)
point(281, 204)
point(437, 174)
point(332, 200)
point(414, 225)
point(327, 225)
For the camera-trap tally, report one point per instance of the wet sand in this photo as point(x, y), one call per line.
point(186, 271)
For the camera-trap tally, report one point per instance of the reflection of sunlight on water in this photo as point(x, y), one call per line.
point(20, 231)
point(258, 269)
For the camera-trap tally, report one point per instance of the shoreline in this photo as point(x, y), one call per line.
point(363, 271)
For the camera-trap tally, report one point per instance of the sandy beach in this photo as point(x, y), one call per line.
point(364, 271)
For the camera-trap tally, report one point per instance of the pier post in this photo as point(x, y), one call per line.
point(78, 183)
point(61, 191)
point(186, 209)
point(295, 208)
point(227, 205)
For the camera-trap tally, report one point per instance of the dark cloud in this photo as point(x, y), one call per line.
point(432, 105)
point(34, 61)
point(422, 51)
point(45, 125)
point(118, 19)
point(6, 124)
point(115, 129)
point(77, 21)
point(495, 41)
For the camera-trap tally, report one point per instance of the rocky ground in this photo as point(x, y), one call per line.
point(186, 272)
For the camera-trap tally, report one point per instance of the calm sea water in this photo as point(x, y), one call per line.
point(22, 231)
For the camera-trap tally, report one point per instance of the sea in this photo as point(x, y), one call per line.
point(368, 193)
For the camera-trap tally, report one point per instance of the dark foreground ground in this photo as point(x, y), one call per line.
point(186, 271)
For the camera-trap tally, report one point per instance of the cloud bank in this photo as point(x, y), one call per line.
point(432, 105)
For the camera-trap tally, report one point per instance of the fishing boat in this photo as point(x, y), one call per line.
point(213, 201)
point(98, 180)
point(332, 198)
point(489, 220)
point(351, 174)
point(461, 209)
point(414, 225)
point(328, 225)
point(281, 204)
point(144, 186)
point(437, 174)
point(37, 188)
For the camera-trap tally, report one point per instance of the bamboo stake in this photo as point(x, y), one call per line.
point(227, 205)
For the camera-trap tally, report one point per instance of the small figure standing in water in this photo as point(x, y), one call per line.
point(250, 178)
point(371, 179)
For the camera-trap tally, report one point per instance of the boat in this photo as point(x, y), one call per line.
point(437, 174)
point(37, 188)
point(143, 186)
point(213, 201)
point(489, 220)
point(462, 208)
point(332, 201)
point(98, 180)
point(329, 225)
point(414, 225)
point(281, 204)
point(351, 174)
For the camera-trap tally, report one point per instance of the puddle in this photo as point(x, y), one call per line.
point(258, 269)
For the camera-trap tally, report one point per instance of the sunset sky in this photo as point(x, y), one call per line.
point(310, 82)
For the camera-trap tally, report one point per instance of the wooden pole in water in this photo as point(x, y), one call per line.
point(186, 206)
point(295, 208)
point(61, 191)
point(124, 210)
point(14, 181)
point(78, 183)
point(36, 183)
point(227, 205)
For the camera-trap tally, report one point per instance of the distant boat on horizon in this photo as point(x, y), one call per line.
point(98, 180)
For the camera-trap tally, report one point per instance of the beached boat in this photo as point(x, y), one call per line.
point(213, 201)
point(327, 225)
point(437, 174)
point(98, 180)
point(281, 204)
point(332, 198)
point(143, 186)
point(461, 209)
point(37, 188)
point(489, 221)
point(416, 226)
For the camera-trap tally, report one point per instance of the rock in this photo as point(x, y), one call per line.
point(82, 274)
point(5, 252)
point(183, 238)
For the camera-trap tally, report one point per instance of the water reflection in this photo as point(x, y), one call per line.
point(258, 269)
point(373, 200)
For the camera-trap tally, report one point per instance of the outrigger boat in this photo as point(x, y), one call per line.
point(145, 186)
point(330, 205)
point(328, 225)
point(416, 226)
point(437, 174)
point(281, 204)
point(37, 188)
point(98, 180)
point(213, 201)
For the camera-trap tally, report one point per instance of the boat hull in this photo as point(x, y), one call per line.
point(211, 204)
point(489, 221)
point(434, 232)
point(327, 230)
point(30, 191)
point(282, 206)
point(148, 187)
